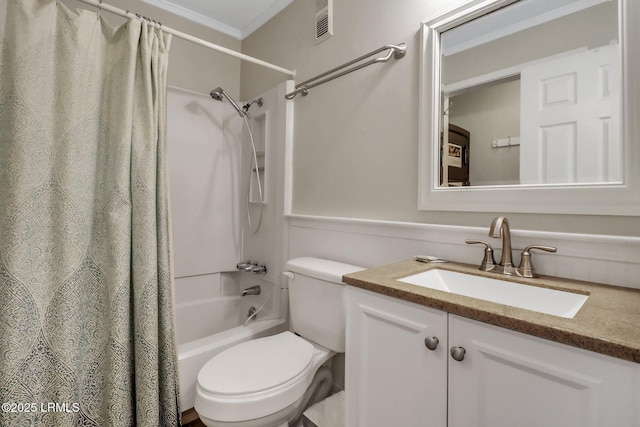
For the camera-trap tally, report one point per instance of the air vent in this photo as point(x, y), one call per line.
point(324, 19)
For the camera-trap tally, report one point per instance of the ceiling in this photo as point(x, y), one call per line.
point(236, 18)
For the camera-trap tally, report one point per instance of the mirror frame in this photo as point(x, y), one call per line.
point(600, 199)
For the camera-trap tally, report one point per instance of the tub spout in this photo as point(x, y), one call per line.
point(253, 290)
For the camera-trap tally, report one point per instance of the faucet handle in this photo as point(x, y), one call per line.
point(526, 266)
point(488, 262)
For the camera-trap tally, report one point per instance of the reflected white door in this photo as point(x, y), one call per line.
point(570, 119)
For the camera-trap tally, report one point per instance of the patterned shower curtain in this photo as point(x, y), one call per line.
point(86, 316)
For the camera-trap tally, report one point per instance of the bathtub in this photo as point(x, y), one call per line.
point(209, 319)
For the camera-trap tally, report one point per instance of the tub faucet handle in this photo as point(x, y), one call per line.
point(252, 267)
point(242, 266)
point(259, 269)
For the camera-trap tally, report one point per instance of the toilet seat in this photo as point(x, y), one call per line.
point(256, 378)
point(264, 363)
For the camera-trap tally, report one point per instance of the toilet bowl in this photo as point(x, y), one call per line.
point(266, 377)
point(268, 382)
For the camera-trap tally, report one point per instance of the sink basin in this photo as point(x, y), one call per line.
point(542, 300)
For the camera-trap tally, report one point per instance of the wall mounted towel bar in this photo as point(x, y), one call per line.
point(397, 51)
point(510, 141)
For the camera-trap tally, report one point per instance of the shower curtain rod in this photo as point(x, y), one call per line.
point(126, 14)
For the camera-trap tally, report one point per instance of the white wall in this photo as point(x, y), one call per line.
point(356, 138)
point(204, 138)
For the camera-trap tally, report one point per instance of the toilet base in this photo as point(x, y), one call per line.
point(279, 419)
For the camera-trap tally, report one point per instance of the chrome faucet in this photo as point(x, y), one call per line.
point(252, 267)
point(500, 228)
point(253, 290)
point(259, 269)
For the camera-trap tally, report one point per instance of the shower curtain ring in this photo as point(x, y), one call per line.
point(99, 9)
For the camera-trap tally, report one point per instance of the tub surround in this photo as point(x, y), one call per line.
point(607, 322)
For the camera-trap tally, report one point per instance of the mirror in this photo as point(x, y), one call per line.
point(523, 107)
point(535, 86)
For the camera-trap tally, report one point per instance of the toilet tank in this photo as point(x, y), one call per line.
point(316, 300)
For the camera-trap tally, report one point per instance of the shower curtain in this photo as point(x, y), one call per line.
point(86, 316)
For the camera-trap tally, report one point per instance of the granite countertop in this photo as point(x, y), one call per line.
point(607, 323)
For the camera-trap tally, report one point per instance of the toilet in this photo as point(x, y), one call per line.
point(268, 382)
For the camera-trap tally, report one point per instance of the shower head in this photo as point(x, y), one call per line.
point(219, 93)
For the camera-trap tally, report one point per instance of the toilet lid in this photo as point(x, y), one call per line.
point(256, 365)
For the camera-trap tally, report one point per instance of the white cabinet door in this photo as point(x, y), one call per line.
point(392, 378)
point(512, 379)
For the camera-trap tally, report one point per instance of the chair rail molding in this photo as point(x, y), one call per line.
point(612, 260)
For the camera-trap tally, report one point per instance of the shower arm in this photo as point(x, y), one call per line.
point(397, 51)
point(248, 105)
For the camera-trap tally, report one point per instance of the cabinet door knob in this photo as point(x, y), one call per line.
point(458, 353)
point(431, 342)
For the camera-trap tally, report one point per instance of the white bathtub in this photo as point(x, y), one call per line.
point(209, 318)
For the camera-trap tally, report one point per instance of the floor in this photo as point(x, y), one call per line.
point(190, 419)
point(195, 423)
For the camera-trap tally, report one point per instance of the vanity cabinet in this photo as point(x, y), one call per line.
point(391, 377)
point(505, 378)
